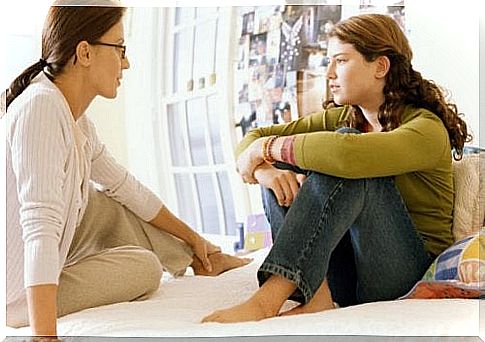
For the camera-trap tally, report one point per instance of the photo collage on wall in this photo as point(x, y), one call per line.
point(277, 42)
point(280, 71)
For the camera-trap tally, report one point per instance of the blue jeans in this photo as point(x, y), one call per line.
point(356, 233)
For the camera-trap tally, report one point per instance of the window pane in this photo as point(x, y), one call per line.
point(205, 44)
point(227, 202)
point(204, 12)
point(215, 131)
point(186, 199)
point(176, 132)
point(208, 204)
point(182, 14)
point(181, 59)
point(196, 116)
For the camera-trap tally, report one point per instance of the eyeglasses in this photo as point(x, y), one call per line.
point(121, 47)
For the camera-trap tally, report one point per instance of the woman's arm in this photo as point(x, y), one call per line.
point(122, 186)
point(42, 304)
point(169, 223)
point(38, 136)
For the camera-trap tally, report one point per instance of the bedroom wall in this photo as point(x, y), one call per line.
point(445, 39)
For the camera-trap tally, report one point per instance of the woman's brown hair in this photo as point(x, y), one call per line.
point(64, 28)
point(375, 35)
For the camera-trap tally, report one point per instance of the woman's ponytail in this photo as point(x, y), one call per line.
point(23, 80)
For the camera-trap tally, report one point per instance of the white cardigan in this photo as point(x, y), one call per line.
point(50, 160)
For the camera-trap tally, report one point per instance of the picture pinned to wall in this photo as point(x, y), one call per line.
point(326, 18)
point(289, 101)
point(247, 24)
point(291, 41)
point(242, 79)
point(262, 18)
point(274, 86)
point(311, 90)
point(257, 50)
point(273, 40)
point(257, 78)
point(243, 52)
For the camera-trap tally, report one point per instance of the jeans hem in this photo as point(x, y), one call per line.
point(294, 276)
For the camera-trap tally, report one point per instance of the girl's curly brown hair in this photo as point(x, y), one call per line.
point(375, 35)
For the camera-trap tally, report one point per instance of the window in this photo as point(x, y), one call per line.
point(195, 126)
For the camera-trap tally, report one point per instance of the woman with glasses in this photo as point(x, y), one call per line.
point(376, 205)
point(71, 246)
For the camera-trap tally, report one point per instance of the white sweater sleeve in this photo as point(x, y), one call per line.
point(118, 183)
point(37, 141)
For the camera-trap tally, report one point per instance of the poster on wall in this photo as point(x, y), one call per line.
point(257, 49)
point(326, 18)
point(243, 52)
point(273, 39)
point(247, 23)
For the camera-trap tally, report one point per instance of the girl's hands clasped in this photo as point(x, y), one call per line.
point(249, 160)
point(284, 183)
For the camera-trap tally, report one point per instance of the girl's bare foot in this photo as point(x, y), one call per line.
point(321, 301)
point(220, 263)
point(251, 310)
point(265, 303)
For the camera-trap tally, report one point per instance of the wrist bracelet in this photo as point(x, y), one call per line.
point(267, 149)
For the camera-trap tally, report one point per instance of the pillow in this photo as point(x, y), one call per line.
point(469, 204)
point(458, 272)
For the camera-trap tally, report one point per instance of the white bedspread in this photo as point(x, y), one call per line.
point(177, 308)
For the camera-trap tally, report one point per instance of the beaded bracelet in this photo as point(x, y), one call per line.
point(267, 149)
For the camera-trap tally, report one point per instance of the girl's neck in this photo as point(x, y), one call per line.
point(372, 119)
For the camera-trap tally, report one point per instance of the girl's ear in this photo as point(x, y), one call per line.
point(382, 66)
point(83, 53)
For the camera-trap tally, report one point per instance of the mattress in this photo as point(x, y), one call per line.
point(176, 309)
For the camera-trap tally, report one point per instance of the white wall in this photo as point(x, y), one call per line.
point(444, 36)
point(108, 116)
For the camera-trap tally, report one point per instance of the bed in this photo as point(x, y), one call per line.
point(176, 309)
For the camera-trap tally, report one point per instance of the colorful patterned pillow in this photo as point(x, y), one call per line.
point(458, 272)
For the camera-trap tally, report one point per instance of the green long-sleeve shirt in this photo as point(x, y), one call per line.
point(417, 153)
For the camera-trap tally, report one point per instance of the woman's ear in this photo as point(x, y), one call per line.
point(383, 64)
point(83, 53)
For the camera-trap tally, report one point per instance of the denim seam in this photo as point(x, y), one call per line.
point(318, 230)
point(292, 275)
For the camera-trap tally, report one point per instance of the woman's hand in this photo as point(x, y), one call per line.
point(284, 183)
point(202, 249)
point(249, 160)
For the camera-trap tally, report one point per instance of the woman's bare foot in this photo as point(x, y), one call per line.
point(220, 263)
point(321, 301)
point(251, 310)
